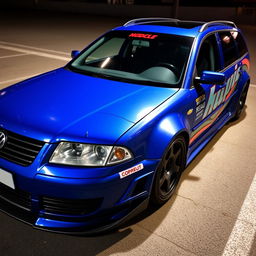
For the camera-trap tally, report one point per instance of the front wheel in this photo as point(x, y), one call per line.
point(169, 171)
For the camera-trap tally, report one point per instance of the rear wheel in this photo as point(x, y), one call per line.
point(241, 103)
point(169, 171)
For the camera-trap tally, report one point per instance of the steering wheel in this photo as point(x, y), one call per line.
point(169, 66)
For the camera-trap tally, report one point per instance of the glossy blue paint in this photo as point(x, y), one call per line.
point(74, 53)
point(209, 77)
point(62, 105)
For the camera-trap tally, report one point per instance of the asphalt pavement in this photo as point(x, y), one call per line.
point(202, 216)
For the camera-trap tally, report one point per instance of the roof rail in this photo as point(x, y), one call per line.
point(148, 20)
point(217, 22)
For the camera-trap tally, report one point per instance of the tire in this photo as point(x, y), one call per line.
point(241, 103)
point(169, 171)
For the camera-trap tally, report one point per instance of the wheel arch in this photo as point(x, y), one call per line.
point(154, 194)
point(244, 80)
point(185, 135)
point(164, 133)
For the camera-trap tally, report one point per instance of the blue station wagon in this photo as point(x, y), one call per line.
point(85, 147)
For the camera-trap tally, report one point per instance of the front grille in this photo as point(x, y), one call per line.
point(20, 149)
point(70, 206)
point(16, 197)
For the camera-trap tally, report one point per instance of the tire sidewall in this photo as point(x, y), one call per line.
point(239, 110)
point(156, 197)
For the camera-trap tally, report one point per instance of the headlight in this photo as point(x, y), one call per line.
point(89, 155)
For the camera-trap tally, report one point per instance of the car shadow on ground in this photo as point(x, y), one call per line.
point(162, 211)
point(18, 237)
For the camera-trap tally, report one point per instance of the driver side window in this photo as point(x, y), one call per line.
point(208, 58)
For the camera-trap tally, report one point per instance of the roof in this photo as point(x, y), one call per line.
point(174, 26)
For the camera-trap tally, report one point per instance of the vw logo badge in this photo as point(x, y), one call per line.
point(3, 139)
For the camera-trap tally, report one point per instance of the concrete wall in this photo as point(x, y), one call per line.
point(109, 10)
point(18, 3)
point(193, 13)
point(208, 13)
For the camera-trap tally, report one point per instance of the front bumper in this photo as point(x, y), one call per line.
point(76, 205)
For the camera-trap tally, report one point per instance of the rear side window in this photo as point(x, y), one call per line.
point(241, 46)
point(228, 47)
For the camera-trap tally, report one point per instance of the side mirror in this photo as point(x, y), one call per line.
point(74, 54)
point(210, 77)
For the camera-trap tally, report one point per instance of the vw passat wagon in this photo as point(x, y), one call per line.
point(86, 146)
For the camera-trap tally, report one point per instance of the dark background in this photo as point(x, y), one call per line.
point(200, 217)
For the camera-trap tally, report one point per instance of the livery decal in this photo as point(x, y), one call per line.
point(141, 35)
point(130, 171)
point(206, 124)
point(216, 98)
point(246, 63)
point(200, 106)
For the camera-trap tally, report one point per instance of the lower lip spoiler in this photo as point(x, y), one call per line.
point(30, 219)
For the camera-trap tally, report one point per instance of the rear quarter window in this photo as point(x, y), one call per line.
point(241, 45)
point(229, 48)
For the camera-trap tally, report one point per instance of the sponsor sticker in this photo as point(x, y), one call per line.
point(190, 111)
point(200, 99)
point(199, 114)
point(200, 107)
point(130, 171)
point(146, 36)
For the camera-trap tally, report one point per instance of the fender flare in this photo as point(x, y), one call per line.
point(163, 133)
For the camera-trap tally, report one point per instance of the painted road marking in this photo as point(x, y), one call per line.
point(18, 79)
point(14, 55)
point(242, 236)
point(47, 55)
point(253, 85)
point(33, 48)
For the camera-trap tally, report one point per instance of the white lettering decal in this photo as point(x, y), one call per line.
point(130, 171)
point(217, 98)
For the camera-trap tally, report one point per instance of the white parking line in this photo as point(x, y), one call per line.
point(242, 236)
point(17, 79)
point(253, 85)
point(47, 55)
point(14, 55)
point(33, 48)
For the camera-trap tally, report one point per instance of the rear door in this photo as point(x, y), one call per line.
point(233, 48)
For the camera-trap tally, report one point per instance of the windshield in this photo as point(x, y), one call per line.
point(136, 57)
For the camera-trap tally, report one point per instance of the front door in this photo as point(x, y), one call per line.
point(206, 95)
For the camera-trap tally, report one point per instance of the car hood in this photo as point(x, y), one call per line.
point(63, 105)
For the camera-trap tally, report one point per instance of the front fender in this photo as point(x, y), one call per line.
point(163, 133)
point(150, 137)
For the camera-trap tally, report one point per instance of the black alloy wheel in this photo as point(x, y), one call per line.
point(241, 102)
point(169, 171)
